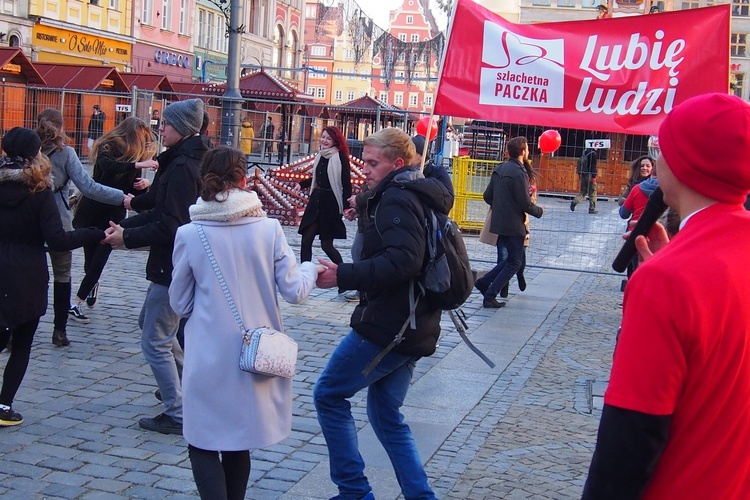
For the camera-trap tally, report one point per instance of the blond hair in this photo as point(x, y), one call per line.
point(130, 141)
point(393, 143)
point(37, 171)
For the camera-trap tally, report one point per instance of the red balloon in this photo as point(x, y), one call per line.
point(549, 141)
point(428, 127)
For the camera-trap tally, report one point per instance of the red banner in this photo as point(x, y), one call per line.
point(614, 75)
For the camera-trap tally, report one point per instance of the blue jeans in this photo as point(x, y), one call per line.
point(501, 274)
point(387, 385)
point(163, 353)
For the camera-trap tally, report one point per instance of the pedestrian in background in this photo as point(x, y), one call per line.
point(586, 169)
point(118, 158)
point(227, 411)
point(176, 186)
point(29, 219)
point(508, 196)
point(67, 168)
point(96, 125)
point(675, 417)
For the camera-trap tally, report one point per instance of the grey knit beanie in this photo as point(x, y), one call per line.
point(186, 117)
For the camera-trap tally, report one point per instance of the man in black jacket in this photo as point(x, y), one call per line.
point(175, 188)
point(508, 195)
point(392, 257)
point(587, 175)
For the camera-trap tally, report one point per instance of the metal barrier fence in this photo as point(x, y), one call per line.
point(561, 239)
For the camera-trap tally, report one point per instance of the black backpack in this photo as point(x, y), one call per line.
point(446, 279)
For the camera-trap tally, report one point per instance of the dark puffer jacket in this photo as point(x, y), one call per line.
point(27, 221)
point(176, 186)
point(393, 254)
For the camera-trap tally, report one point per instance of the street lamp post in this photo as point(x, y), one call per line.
point(231, 104)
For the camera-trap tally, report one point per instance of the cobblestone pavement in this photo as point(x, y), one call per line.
point(529, 436)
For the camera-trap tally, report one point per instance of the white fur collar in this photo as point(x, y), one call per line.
point(235, 204)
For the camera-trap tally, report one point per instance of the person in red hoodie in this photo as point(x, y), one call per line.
point(676, 416)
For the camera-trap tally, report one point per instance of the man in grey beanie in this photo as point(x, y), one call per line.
point(174, 189)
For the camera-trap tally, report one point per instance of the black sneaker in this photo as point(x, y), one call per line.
point(93, 295)
point(76, 313)
point(9, 417)
point(161, 423)
point(60, 338)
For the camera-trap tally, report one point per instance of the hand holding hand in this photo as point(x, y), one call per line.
point(352, 201)
point(327, 278)
point(115, 235)
point(350, 214)
point(126, 201)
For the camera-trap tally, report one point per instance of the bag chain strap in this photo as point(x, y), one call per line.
point(220, 277)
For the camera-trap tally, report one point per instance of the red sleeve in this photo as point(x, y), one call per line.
point(649, 367)
point(630, 200)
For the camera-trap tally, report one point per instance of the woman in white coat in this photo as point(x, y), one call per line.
point(226, 411)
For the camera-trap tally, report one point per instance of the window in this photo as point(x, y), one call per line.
point(148, 12)
point(166, 14)
point(321, 93)
point(319, 72)
point(340, 76)
point(428, 100)
point(383, 96)
point(183, 17)
point(690, 4)
point(401, 57)
point(209, 30)
point(311, 11)
point(566, 3)
point(738, 83)
point(402, 37)
point(349, 54)
point(409, 19)
point(739, 44)
point(740, 8)
point(400, 76)
point(114, 4)
point(318, 50)
point(338, 95)
point(544, 3)
point(414, 38)
point(413, 100)
point(590, 4)
point(350, 95)
point(398, 98)
point(219, 34)
point(362, 93)
point(201, 28)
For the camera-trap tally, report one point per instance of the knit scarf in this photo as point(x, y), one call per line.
point(229, 206)
point(334, 174)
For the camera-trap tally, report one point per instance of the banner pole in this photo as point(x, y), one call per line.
point(440, 76)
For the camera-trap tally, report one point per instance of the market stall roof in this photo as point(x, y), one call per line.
point(147, 82)
point(78, 77)
point(367, 105)
point(262, 85)
point(188, 90)
point(13, 60)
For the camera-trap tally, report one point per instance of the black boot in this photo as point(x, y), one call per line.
point(60, 338)
point(60, 306)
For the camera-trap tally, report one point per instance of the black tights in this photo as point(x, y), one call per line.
point(95, 258)
point(220, 478)
point(18, 361)
point(308, 235)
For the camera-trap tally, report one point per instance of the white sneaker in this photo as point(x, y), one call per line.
point(76, 313)
point(352, 296)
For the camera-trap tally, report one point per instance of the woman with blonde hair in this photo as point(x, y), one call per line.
point(227, 411)
point(118, 158)
point(66, 168)
point(29, 218)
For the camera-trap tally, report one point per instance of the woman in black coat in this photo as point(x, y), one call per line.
point(331, 188)
point(29, 217)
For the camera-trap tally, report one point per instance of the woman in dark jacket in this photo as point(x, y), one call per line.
point(28, 218)
point(331, 188)
point(118, 157)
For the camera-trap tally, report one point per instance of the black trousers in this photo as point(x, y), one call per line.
point(18, 361)
point(220, 477)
